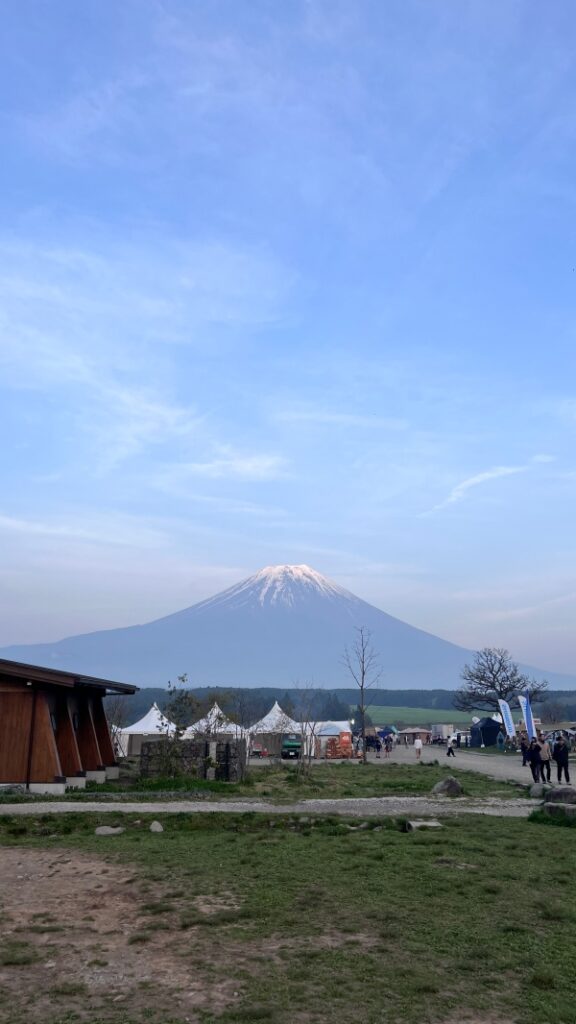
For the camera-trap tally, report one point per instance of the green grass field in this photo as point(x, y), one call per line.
point(286, 784)
point(415, 716)
point(288, 920)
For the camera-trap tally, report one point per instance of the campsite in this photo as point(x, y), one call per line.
point(222, 919)
point(170, 890)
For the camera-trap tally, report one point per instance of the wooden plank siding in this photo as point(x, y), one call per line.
point(28, 750)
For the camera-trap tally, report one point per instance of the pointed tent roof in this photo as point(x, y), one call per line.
point(153, 721)
point(214, 722)
point(275, 721)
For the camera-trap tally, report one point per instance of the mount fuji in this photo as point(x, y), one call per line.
point(285, 625)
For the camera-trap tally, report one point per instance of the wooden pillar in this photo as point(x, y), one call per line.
point(44, 762)
point(86, 736)
point(66, 739)
point(15, 725)
point(102, 732)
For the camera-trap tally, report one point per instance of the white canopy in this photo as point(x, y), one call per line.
point(214, 722)
point(276, 721)
point(153, 723)
point(332, 728)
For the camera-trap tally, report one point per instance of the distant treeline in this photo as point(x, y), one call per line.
point(248, 705)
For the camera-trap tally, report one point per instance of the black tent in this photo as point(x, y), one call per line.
point(484, 732)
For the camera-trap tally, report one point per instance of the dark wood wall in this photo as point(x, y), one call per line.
point(46, 734)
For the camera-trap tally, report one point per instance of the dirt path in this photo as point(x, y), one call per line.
point(73, 924)
point(393, 806)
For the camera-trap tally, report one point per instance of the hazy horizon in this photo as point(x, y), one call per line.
point(283, 284)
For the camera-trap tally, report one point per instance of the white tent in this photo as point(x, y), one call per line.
point(214, 723)
point(331, 728)
point(276, 721)
point(153, 724)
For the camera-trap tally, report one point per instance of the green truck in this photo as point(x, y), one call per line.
point(291, 746)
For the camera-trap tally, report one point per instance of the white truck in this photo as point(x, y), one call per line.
point(440, 732)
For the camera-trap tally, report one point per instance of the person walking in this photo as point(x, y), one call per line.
point(535, 761)
point(560, 755)
point(418, 747)
point(524, 748)
point(545, 757)
point(450, 747)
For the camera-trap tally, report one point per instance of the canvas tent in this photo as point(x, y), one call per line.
point(152, 726)
point(331, 728)
point(270, 729)
point(485, 732)
point(276, 722)
point(215, 723)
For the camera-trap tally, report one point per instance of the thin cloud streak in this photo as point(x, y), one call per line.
point(460, 492)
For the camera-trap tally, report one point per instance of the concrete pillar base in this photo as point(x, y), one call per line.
point(48, 788)
point(96, 776)
point(112, 773)
point(76, 782)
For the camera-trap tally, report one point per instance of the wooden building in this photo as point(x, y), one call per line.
point(53, 729)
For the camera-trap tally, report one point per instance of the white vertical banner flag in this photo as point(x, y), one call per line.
point(527, 716)
point(507, 717)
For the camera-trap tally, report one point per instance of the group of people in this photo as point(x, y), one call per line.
point(539, 756)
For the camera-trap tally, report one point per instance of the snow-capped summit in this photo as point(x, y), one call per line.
point(284, 585)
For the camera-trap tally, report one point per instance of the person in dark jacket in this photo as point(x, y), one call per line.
point(535, 761)
point(524, 750)
point(560, 755)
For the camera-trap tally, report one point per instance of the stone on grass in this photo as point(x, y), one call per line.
point(108, 830)
point(539, 790)
point(413, 826)
point(156, 827)
point(448, 787)
point(560, 810)
point(561, 795)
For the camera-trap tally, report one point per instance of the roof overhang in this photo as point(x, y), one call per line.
point(37, 674)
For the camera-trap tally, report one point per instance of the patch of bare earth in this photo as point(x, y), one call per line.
point(87, 945)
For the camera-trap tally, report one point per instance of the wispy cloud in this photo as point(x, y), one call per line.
point(225, 465)
point(342, 419)
point(460, 492)
point(116, 529)
point(98, 326)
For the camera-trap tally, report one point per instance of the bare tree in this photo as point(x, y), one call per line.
point(361, 661)
point(491, 677)
point(116, 714)
point(180, 709)
point(307, 718)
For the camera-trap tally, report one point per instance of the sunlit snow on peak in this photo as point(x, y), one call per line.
point(283, 585)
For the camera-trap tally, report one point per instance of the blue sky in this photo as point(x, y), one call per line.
point(289, 282)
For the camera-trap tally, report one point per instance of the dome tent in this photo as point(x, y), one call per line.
point(152, 726)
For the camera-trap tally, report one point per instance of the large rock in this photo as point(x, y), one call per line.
point(561, 795)
point(156, 827)
point(539, 789)
point(108, 830)
point(560, 810)
point(448, 787)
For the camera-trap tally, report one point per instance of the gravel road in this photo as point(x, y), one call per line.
point(393, 806)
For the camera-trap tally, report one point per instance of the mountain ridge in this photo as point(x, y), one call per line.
point(284, 625)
